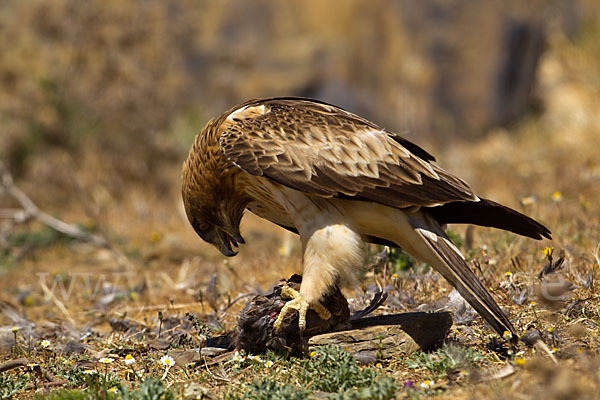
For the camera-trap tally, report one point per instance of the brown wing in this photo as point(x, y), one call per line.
point(324, 150)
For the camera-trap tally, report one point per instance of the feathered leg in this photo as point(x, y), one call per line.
point(333, 255)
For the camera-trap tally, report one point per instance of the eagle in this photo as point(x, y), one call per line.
point(340, 182)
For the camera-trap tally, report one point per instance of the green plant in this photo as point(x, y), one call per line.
point(267, 389)
point(43, 237)
point(444, 359)
point(74, 394)
point(401, 261)
point(75, 376)
point(331, 369)
point(149, 389)
point(12, 384)
point(382, 389)
point(199, 325)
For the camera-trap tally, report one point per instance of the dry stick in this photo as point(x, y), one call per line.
point(544, 347)
point(25, 362)
point(57, 302)
point(19, 362)
point(55, 223)
point(501, 373)
point(31, 386)
point(33, 211)
point(215, 360)
point(240, 297)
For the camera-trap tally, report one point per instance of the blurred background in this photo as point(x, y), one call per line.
point(138, 79)
point(100, 100)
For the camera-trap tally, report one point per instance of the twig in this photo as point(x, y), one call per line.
point(57, 302)
point(30, 210)
point(218, 378)
point(240, 297)
point(216, 360)
point(11, 364)
point(544, 347)
point(46, 384)
point(494, 374)
point(43, 372)
point(33, 211)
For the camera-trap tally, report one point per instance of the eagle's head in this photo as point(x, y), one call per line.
point(212, 204)
point(217, 221)
point(217, 229)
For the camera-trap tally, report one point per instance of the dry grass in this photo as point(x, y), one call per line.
point(548, 166)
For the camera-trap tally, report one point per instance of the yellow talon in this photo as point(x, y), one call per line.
point(299, 304)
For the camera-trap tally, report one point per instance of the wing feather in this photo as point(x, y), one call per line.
point(326, 151)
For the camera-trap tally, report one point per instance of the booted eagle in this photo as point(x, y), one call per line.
point(339, 181)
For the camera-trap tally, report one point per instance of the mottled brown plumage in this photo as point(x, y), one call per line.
point(210, 193)
point(323, 150)
point(339, 181)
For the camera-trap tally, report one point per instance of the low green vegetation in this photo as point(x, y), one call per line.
point(330, 370)
point(449, 358)
point(149, 389)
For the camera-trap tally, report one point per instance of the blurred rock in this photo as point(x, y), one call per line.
point(74, 347)
point(531, 337)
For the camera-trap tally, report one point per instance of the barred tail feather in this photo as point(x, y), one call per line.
point(448, 261)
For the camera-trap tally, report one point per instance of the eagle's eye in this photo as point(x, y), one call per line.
point(202, 227)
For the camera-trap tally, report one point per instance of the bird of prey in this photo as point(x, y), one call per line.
point(339, 181)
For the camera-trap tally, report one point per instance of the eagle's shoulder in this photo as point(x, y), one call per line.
point(325, 150)
point(289, 113)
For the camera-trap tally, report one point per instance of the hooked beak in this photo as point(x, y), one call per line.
point(228, 240)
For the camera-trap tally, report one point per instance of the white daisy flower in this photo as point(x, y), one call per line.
point(106, 360)
point(237, 357)
point(129, 359)
point(45, 343)
point(167, 361)
point(268, 364)
point(90, 372)
point(113, 390)
point(255, 358)
point(427, 384)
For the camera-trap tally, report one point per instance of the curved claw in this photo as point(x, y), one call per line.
point(299, 304)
